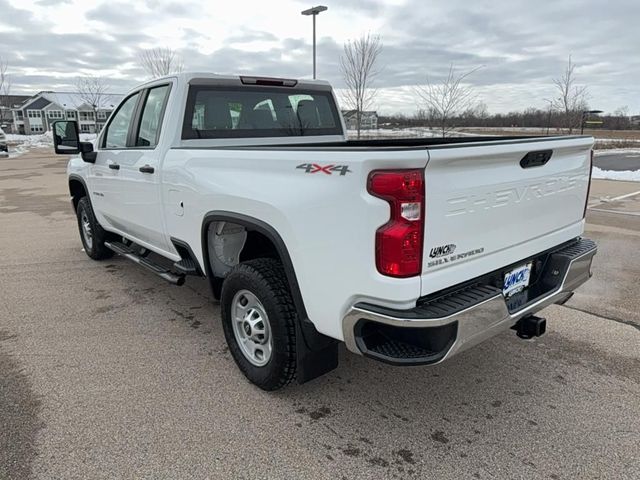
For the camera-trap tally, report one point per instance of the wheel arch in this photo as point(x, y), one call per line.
point(77, 189)
point(252, 224)
point(316, 353)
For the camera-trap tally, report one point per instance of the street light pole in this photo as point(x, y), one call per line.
point(314, 12)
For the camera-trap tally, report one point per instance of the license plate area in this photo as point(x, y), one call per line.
point(516, 280)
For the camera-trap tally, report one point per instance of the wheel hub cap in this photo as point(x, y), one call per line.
point(86, 229)
point(251, 328)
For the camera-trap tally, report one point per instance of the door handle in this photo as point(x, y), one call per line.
point(147, 169)
point(114, 166)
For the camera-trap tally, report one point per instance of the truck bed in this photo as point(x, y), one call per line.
point(400, 143)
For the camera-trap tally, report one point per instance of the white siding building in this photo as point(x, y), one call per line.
point(37, 114)
point(368, 119)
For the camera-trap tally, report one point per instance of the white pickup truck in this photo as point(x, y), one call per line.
point(407, 250)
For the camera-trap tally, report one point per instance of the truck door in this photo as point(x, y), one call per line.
point(104, 174)
point(138, 203)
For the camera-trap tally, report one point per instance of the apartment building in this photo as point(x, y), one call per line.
point(368, 119)
point(36, 114)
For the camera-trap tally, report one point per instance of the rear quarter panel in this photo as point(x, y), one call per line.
point(327, 222)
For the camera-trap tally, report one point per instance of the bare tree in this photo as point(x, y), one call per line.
point(446, 100)
point(5, 89)
point(92, 91)
point(4, 77)
point(572, 98)
point(620, 118)
point(358, 65)
point(158, 62)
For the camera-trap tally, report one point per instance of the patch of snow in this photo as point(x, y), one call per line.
point(613, 140)
point(393, 133)
point(509, 129)
point(626, 175)
point(20, 144)
point(408, 132)
point(616, 151)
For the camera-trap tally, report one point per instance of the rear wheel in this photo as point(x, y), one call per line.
point(91, 233)
point(258, 317)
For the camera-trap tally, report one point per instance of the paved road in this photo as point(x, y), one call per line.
point(107, 372)
point(617, 161)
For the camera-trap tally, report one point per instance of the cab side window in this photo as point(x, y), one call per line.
point(152, 117)
point(118, 128)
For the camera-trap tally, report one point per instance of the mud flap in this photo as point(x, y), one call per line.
point(317, 354)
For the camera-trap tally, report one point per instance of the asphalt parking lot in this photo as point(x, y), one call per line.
point(108, 372)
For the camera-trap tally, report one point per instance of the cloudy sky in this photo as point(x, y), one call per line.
point(519, 45)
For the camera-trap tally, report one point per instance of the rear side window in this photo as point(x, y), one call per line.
point(152, 117)
point(243, 112)
point(118, 128)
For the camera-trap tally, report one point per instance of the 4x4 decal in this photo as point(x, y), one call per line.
point(328, 169)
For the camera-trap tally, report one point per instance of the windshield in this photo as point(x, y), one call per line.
point(243, 112)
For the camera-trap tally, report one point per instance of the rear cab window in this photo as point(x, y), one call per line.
point(246, 112)
point(152, 115)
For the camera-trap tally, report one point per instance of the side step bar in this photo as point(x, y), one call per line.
point(168, 275)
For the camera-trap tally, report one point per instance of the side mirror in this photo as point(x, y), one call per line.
point(87, 153)
point(66, 140)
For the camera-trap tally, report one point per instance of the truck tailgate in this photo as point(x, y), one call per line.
point(487, 208)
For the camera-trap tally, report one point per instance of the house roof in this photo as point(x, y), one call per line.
point(38, 104)
point(70, 101)
point(73, 100)
point(12, 101)
point(366, 113)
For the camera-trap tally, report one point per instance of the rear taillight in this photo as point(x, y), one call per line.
point(586, 202)
point(399, 241)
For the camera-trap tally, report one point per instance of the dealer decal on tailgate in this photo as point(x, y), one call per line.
point(452, 258)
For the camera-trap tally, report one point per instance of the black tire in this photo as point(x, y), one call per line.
point(264, 278)
point(94, 247)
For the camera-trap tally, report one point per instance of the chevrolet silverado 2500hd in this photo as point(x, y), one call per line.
point(407, 250)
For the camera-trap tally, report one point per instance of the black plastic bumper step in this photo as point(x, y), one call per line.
point(442, 305)
point(162, 272)
point(577, 249)
point(187, 266)
point(397, 349)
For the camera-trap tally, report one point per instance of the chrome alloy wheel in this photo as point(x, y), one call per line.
point(86, 229)
point(251, 328)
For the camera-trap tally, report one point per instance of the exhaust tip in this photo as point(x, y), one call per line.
point(530, 327)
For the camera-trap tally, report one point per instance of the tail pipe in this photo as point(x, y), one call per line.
point(531, 326)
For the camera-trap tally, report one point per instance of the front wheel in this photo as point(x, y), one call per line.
point(258, 318)
point(91, 233)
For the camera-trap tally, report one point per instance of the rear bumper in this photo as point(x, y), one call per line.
point(448, 323)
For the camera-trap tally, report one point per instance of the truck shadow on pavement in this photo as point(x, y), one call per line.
point(504, 406)
point(500, 397)
point(19, 417)
point(136, 377)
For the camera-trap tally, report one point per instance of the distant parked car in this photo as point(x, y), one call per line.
point(3, 142)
